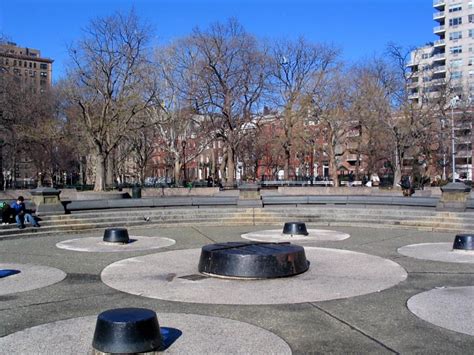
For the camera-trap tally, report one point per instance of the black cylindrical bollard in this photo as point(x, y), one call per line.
point(116, 235)
point(295, 228)
point(127, 330)
point(463, 242)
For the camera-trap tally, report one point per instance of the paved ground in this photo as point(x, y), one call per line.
point(378, 322)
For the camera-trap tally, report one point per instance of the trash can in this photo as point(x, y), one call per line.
point(136, 192)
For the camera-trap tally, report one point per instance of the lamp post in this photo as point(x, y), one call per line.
point(453, 103)
point(183, 143)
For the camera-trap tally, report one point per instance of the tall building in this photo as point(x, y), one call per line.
point(27, 64)
point(444, 69)
point(446, 65)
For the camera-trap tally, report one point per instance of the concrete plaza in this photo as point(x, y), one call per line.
point(375, 322)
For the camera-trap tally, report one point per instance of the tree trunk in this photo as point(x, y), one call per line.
point(110, 170)
point(177, 171)
point(221, 174)
point(333, 165)
point(99, 184)
point(287, 164)
point(81, 171)
point(230, 167)
point(397, 174)
point(142, 175)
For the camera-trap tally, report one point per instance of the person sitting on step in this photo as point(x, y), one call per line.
point(21, 216)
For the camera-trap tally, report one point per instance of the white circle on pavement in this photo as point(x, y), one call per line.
point(447, 307)
point(29, 278)
point(97, 245)
point(276, 235)
point(332, 274)
point(200, 335)
point(437, 252)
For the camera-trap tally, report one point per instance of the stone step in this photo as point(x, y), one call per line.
point(383, 218)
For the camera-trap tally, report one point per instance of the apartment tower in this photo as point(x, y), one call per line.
point(444, 69)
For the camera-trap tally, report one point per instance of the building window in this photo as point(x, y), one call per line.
point(471, 18)
point(30, 64)
point(456, 75)
point(44, 74)
point(43, 66)
point(425, 56)
point(455, 63)
point(14, 62)
point(455, 35)
point(34, 65)
point(455, 21)
point(455, 8)
point(455, 49)
point(471, 74)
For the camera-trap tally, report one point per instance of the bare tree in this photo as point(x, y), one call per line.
point(229, 79)
point(109, 79)
point(299, 70)
point(414, 125)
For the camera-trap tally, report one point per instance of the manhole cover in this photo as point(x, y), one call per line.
point(252, 260)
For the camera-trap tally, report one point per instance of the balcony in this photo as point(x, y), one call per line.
point(438, 57)
point(439, 43)
point(413, 96)
point(439, 15)
point(439, 69)
point(436, 82)
point(439, 4)
point(439, 29)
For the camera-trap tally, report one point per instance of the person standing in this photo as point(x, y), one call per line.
point(21, 216)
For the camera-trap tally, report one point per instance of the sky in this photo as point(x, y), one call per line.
point(359, 28)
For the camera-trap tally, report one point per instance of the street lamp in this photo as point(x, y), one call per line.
point(453, 103)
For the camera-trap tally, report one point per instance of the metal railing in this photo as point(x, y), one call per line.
point(439, 56)
point(439, 68)
point(439, 29)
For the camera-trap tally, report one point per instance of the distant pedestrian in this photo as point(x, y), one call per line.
point(21, 216)
point(210, 181)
